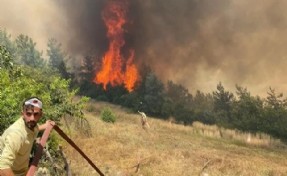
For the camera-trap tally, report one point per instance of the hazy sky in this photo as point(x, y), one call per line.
point(196, 43)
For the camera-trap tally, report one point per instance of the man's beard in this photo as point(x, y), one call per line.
point(31, 125)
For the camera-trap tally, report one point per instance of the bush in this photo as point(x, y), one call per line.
point(19, 82)
point(108, 116)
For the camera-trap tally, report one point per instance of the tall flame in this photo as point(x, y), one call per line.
point(116, 69)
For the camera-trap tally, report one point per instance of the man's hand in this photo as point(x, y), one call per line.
point(44, 126)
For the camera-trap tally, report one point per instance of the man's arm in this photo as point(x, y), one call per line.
point(13, 142)
point(44, 126)
point(6, 172)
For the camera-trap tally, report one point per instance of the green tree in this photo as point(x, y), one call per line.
point(84, 77)
point(202, 104)
point(27, 52)
point(8, 80)
point(131, 100)
point(6, 62)
point(179, 100)
point(57, 58)
point(139, 92)
point(54, 91)
point(247, 111)
point(275, 115)
point(5, 40)
point(223, 101)
point(168, 108)
point(274, 100)
point(87, 69)
point(178, 93)
point(153, 96)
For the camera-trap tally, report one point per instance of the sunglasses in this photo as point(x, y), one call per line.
point(36, 114)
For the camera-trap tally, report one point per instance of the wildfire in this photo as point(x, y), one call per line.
point(116, 69)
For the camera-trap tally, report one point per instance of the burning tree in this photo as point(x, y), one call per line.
point(116, 69)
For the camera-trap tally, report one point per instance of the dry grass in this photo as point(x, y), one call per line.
point(124, 149)
point(258, 139)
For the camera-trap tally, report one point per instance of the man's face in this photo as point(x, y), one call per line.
point(31, 116)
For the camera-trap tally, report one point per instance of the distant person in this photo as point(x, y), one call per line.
point(145, 124)
point(17, 140)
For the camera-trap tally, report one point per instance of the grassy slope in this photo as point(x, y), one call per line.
point(166, 149)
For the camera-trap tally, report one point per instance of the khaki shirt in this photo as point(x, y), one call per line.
point(15, 147)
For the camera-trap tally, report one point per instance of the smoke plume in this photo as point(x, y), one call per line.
point(196, 43)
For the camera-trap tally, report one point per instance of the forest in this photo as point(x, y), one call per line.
point(25, 71)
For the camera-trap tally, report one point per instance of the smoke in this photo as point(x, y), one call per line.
point(196, 43)
point(40, 20)
point(200, 43)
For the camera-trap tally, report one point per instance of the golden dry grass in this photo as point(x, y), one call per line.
point(166, 149)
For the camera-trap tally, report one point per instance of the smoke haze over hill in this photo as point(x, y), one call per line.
point(196, 43)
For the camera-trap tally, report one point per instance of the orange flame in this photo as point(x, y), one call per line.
point(115, 69)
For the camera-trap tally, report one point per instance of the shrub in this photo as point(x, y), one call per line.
point(108, 116)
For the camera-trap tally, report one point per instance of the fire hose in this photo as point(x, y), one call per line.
point(42, 143)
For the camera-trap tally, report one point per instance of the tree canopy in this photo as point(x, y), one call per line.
point(18, 82)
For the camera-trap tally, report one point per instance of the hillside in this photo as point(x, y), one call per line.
point(125, 148)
